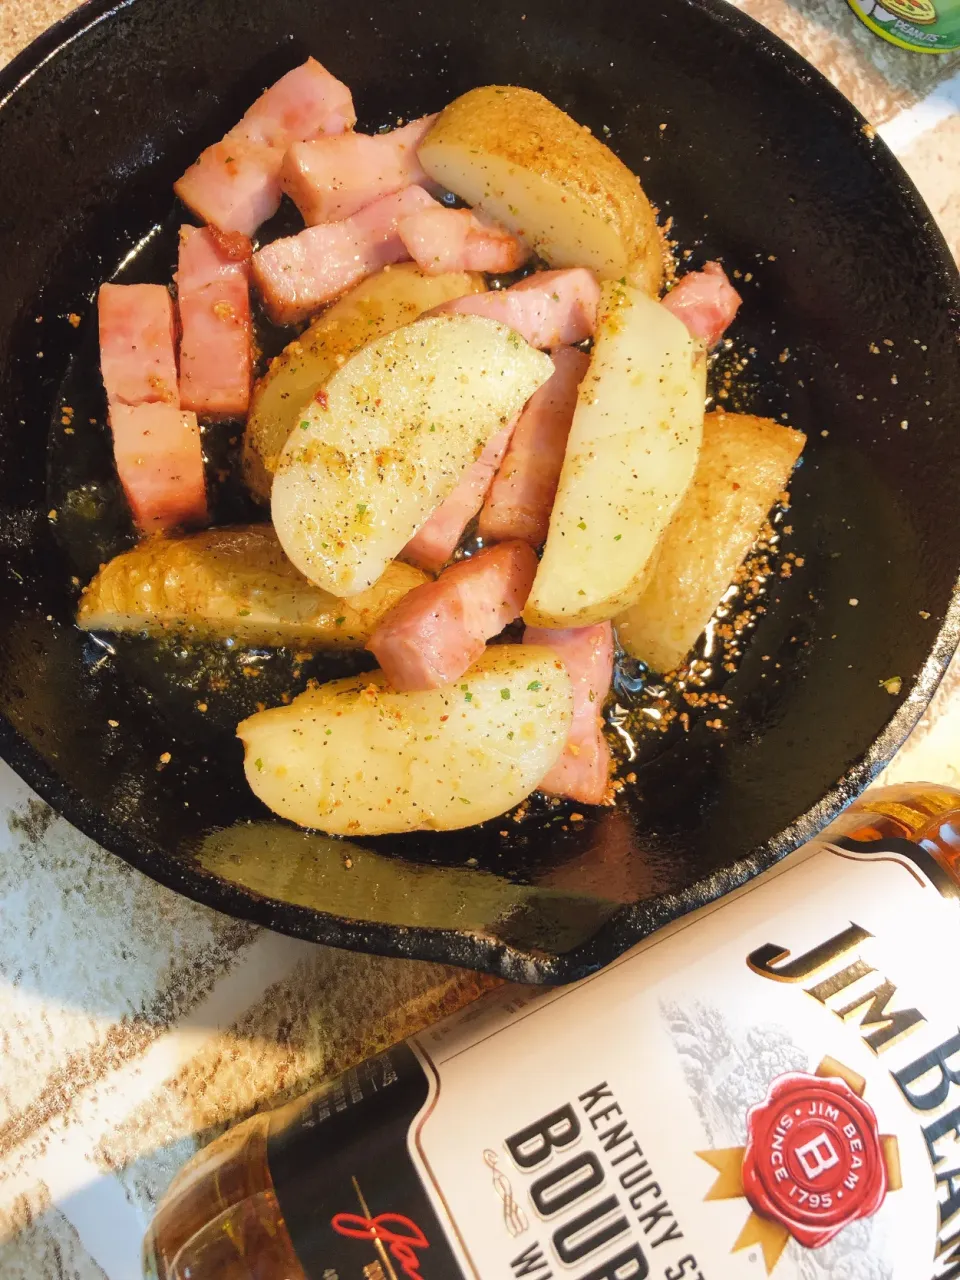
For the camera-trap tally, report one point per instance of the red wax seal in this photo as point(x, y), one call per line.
point(813, 1160)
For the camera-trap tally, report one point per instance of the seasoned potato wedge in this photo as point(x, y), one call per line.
point(395, 296)
point(630, 456)
point(513, 154)
point(397, 426)
point(745, 462)
point(234, 582)
point(355, 758)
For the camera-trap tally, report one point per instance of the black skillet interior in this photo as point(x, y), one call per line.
point(757, 161)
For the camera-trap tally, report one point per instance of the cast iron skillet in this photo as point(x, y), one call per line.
point(758, 161)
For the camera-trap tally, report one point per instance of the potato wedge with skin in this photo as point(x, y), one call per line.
point(393, 433)
point(234, 582)
point(630, 456)
point(744, 464)
point(394, 296)
point(511, 153)
point(355, 758)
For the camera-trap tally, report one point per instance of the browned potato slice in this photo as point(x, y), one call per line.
point(744, 463)
point(516, 156)
point(630, 457)
point(355, 758)
point(383, 302)
point(398, 425)
point(234, 582)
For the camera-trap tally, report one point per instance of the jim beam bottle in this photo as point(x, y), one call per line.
point(770, 1087)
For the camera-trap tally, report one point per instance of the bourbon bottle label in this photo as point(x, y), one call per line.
point(769, 1088)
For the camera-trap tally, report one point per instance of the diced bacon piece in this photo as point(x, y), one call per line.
point(582, 772)
point(155, 444)
point(436, 631)
point(297, 275)
point(306, 101)
point(550, 308)
point(138, 356)
point(235, 184)
point(160, 464)
point(520, 499)
point(442, 239)
point(330, 178)
point(705, 301)
point(434, 542)
point(216, 347)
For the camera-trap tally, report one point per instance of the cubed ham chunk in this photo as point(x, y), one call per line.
point(435, 542)
point(705, 301)
point(582, 772)
point(438, 630)
point(442, 239)
point(160, 464)
point(550, 308)
point(156, 445)
point(297, 275)
point(330, 178)
point(216, 347)
point(235, 184)
point(520, 500)
point(138, 356)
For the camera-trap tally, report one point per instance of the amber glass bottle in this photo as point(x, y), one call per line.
point(536, 1131)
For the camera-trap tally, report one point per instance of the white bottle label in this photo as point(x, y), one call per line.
point(771, 1087)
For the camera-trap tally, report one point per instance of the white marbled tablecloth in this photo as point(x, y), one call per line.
point(134, 1024)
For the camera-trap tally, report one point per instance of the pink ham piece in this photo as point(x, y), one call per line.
point(330, 178)
point(156, 445)
point(550, 308)
point(235, 184)
point(435, 542)
point(137, 344)
point(160, 464)
point(582, 772)
point(437, 630)
point(216, 347)
point(520, 499)
point(705, 301)
point(297, 275)
point(442, 239)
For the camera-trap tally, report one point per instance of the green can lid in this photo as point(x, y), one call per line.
point(922, 26)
